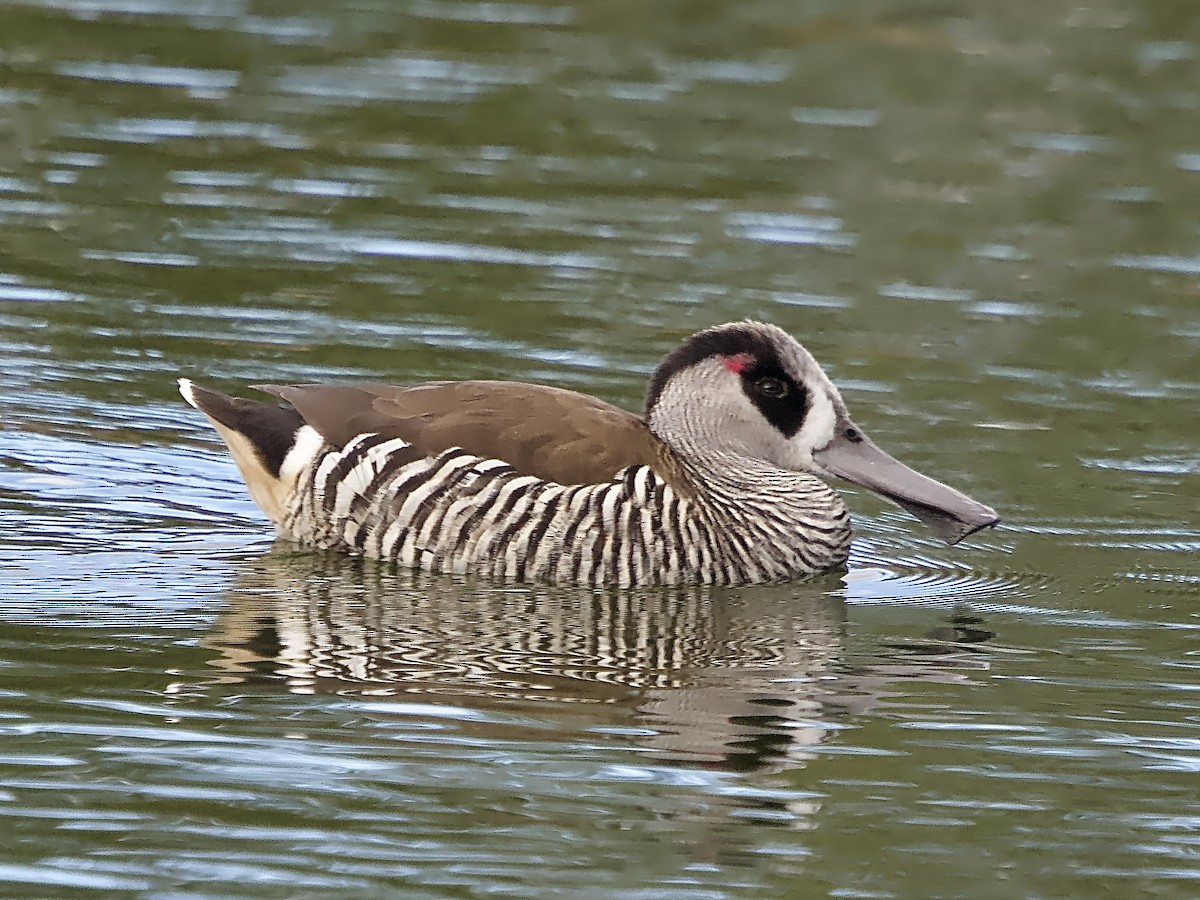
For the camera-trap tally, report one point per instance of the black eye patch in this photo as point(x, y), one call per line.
point(781, 400)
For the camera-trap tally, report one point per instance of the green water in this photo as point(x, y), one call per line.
point(980, 217)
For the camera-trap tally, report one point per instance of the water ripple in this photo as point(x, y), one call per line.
point(1151, 464)
point(401, 78)
point(493, 13)
point(69, 873)
point(12, 290)
point(836, 118)
point(206, 83)
point(1065, 143)
point(1180, 265)
point(929, 581)
point(376, 246)
point(791, 228)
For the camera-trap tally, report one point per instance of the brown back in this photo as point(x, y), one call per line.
point(547, 432)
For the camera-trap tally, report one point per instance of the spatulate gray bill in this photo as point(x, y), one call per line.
point(854, 457)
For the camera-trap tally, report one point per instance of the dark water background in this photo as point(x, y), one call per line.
point(981, 217)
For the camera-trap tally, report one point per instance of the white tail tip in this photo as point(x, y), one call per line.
point(185, 389)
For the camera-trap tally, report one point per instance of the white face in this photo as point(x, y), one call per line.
point(715, 405)
point(826, 409)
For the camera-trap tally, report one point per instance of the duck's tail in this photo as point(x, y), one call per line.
point(259, 437)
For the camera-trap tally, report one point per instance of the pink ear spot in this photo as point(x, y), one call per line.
point(738, 362)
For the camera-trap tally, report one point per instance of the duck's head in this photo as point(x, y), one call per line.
point(749, 390)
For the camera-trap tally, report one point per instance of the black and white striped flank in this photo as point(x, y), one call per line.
point(461, 513)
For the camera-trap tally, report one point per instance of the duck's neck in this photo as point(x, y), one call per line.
point(793, 517)
point(737, 485)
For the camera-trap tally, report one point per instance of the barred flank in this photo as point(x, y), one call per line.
point(461, 513)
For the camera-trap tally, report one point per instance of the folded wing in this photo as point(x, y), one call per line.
point(547, 432)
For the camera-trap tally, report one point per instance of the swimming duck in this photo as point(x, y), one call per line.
point(719, 481)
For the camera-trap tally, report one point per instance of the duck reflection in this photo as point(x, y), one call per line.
point(731, 678)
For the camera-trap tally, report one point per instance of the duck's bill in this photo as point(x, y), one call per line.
point(950, 513)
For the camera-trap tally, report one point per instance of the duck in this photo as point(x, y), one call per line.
point(723, 479)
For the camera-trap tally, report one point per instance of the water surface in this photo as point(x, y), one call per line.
point(980, 219)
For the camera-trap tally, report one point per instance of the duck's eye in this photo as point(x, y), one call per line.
point(771, 387)
point(853, 435)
